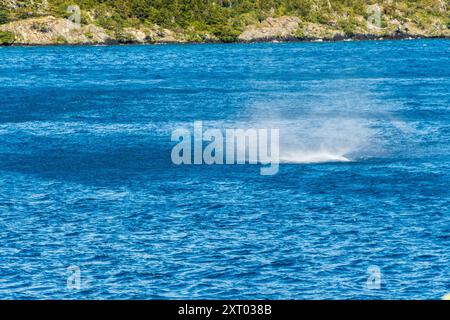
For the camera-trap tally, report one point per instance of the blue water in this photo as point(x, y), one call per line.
point(86, 177)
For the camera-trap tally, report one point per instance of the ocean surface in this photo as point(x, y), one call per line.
point(87, 182)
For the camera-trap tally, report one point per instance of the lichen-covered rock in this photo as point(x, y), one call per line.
point(163, 35)
point(136, 35)
point(50, 30)
point(311, 30)
point(288, 28)
point(271, 28)
point(152, 35)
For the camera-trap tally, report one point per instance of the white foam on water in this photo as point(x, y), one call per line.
point(315, 140)
point(312, 157)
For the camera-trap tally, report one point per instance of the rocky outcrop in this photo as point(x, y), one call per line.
point(50, 30)
point(292, 28)
point(311, 30)
point(152, 35)
point(271, 28)
point(289, 28)
point(435, 28)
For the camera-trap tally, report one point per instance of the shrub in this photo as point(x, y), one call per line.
point(7, 38)
point(348, 26)
point(41, 27)
point(226, 33)
point(61, 40)
point(4, 18)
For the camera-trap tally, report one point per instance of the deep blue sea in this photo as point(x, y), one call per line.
point(87, 181)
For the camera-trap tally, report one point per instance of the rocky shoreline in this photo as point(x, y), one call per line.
point(356, 38)
point(49, 30)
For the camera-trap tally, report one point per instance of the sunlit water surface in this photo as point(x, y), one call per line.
point(86, 177)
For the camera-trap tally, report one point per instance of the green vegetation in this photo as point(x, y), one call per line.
point(6, 38)
point(224, 20)
point(3, 16)
point(60, 40)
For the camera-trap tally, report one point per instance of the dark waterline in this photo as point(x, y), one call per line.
point(359, 38)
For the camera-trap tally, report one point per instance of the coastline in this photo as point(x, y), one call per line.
point(49, 30)
point(355, 38)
